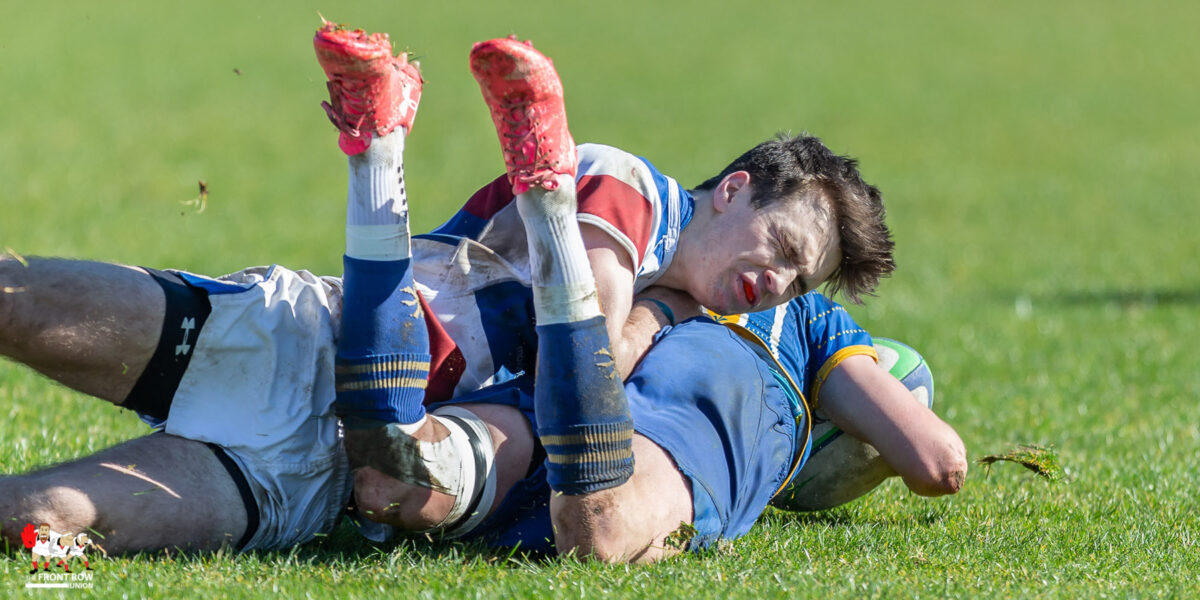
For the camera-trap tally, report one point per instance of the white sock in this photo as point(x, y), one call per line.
point(376, 203)
point(412, 428)
point(564, 288)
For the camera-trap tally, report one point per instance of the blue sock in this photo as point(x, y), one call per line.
point(383, 353)
point(582, 413)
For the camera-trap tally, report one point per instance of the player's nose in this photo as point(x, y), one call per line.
point(777, 281)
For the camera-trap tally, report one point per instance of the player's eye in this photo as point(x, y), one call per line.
point(792, 258)
point(781, 248)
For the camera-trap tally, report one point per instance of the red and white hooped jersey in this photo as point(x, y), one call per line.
point(617, 192)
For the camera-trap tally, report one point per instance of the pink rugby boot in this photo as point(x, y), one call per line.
point(371, 92)
point(525, 97)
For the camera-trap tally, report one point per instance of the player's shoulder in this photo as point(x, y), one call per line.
point(593, 152)
point(814, 303)
point(600, 159)
point(814, 308)
point(801, 313)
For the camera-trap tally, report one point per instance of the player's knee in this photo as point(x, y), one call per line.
point(23, 316)
point(64, 508)
point(12, 294)
point(384, 499)
point(593, 526)
point(602, 545)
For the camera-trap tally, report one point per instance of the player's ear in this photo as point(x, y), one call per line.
point(733, 188)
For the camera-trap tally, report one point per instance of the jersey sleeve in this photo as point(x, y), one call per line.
point(617, 193)
point(832, 336)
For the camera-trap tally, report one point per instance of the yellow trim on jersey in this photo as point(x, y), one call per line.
point(836, 360)
point(750, 337)
point(725, 319)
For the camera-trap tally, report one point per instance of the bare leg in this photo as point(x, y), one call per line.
point(91, 326)
point(154, 492)
point(630, 522)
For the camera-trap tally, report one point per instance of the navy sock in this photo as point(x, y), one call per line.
point(582, 413)
point(383, 351)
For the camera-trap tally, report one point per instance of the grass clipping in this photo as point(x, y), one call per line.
point(1040, 459)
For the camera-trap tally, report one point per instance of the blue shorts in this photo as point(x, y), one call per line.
point(705, 397)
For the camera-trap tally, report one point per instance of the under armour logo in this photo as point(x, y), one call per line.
point(187, 326)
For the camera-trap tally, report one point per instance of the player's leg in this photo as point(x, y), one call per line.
point(382, 359)
point(91, 326)
point(583, 419)
point(159, 491)
point(403, 457)
point(583, 416)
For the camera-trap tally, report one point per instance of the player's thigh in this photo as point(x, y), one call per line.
point(89, 325)
point(159, 491)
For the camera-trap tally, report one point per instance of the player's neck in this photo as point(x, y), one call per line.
point(691, 244)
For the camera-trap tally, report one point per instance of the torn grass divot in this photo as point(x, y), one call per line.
point(1042, 460)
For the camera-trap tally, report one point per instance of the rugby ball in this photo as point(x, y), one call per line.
point(841, 468)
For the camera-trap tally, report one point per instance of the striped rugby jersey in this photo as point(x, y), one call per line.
point(622, 194)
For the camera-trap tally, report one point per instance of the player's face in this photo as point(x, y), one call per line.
point(755, 259)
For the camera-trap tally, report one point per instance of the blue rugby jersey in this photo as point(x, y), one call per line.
point(809, 336)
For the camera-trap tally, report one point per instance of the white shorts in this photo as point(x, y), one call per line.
point(257, 381)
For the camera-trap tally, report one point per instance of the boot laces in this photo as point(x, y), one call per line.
point(350, 107)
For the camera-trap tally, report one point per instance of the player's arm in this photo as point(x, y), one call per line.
point(868, 403)
point(613, 269)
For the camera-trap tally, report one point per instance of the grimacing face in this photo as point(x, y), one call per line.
point(755, 259)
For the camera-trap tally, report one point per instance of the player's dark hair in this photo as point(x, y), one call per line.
point(787, 168)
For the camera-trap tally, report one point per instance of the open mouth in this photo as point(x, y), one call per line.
point(749, 290)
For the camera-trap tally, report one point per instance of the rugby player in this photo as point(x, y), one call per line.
point(251, 453)
point(779, 220)
point(717, 426)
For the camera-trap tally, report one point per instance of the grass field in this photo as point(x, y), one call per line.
point(1039, 165)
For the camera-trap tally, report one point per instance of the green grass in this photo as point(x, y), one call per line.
point(1038, 161)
